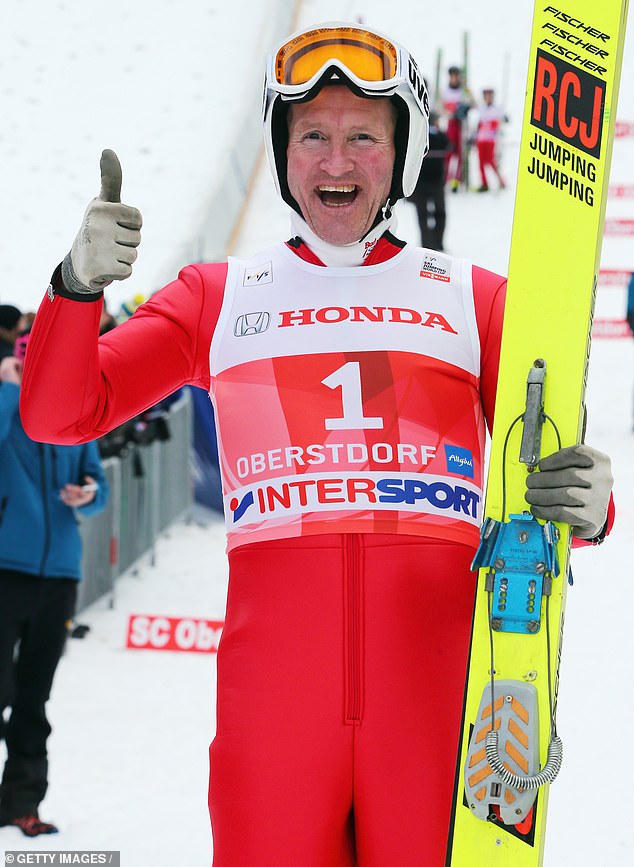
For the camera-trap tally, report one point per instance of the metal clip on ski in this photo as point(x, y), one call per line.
point(533, 418)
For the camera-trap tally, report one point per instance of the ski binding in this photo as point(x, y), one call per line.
point(522, 558)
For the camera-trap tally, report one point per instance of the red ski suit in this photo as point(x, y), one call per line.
point(342, 663)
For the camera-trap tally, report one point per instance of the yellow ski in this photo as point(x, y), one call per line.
point(574, 68)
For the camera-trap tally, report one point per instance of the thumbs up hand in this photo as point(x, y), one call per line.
point(105, 247)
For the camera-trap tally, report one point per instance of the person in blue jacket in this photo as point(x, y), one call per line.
point(41, 489)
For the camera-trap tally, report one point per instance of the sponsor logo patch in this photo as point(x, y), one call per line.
point(251, 323)
point(436, 268)
point(459, 461)
point(568, 103)
point(334, 315)
point(239, 506)
point(369, 246)
point(256, 276)
point(296, 495)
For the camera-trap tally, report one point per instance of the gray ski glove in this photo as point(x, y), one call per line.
point(105, 247)
point(573, 486)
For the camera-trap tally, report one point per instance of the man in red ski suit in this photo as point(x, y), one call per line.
point(352, 376)
point(491, 117)
point(456, 104)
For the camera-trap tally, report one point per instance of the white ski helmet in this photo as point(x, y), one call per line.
point(368, 63)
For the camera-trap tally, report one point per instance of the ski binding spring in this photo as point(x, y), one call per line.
point(521, 555)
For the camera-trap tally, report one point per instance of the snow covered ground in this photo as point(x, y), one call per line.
point(131, 728)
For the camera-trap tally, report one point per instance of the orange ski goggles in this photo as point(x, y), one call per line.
point(370, 61)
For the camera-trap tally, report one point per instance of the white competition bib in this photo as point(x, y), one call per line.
point(347, 399)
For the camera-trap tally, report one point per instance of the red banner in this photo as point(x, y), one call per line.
point(621, 191)
point(623, 129)
point(618, 226)
point(191, 634)
point(610, 329)
point(614, 277)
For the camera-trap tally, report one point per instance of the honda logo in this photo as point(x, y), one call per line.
point(251, 323)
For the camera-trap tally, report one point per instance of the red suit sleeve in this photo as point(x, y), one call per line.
point(77, 387)
point(489, 292)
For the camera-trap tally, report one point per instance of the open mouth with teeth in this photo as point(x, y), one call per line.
point(335, 196)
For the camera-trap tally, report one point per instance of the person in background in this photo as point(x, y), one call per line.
point(129, 306)
point(10, 318)
point(429, 194)
point(26, 322)
point(107, 321)
point(491, 118)
point(457, 101)
point(43, 488)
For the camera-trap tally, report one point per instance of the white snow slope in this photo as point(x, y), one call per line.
point(131, 728)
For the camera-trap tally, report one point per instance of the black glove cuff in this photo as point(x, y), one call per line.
point(58, 286)
point(600, 537)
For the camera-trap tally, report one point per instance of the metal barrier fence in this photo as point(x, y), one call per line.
point(150, 488)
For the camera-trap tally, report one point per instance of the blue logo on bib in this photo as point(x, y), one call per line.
point(239, 507)
point(459, 461)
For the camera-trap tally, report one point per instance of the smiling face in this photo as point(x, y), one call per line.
point(340, 160)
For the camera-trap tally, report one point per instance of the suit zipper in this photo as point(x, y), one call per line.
point(354, 612)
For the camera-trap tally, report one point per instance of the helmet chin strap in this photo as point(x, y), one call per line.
point(347, 255)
